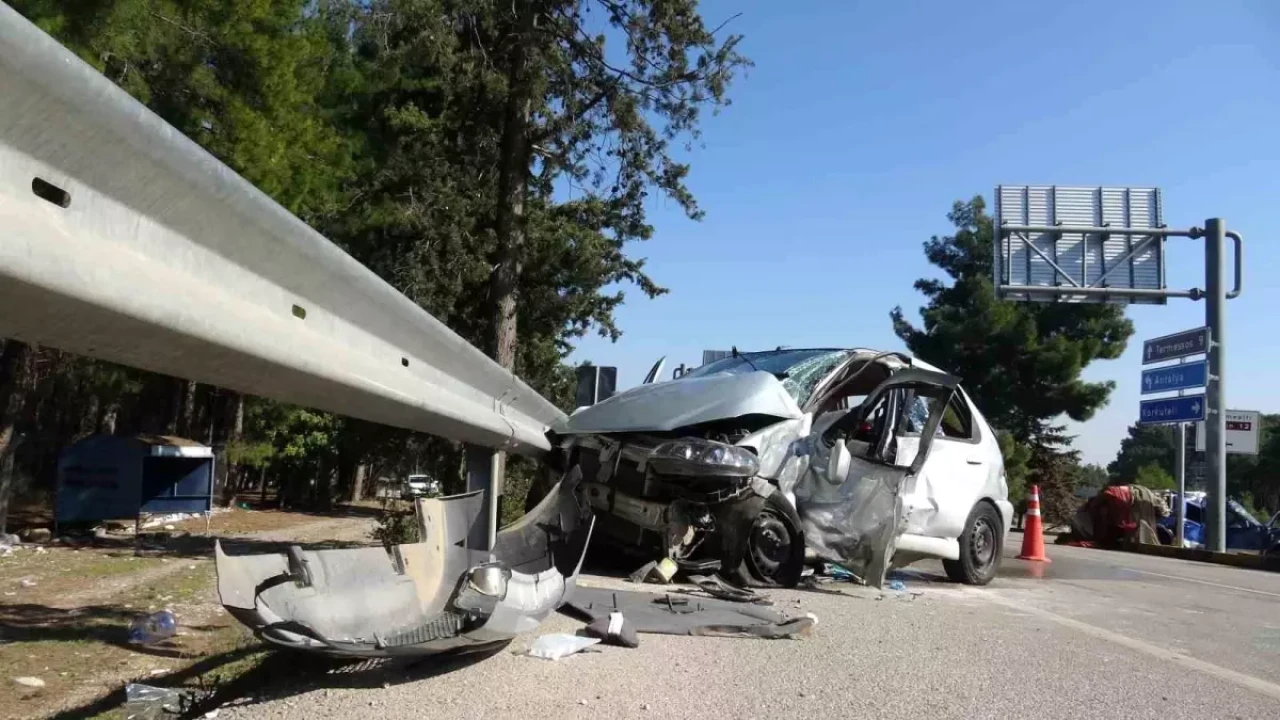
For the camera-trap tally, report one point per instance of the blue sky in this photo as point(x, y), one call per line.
point(862, 122)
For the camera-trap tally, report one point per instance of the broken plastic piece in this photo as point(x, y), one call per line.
point(668, 615)
point(717, 587)
point(437, 595)
point(558, 645)
point(614, 630)
point(896, 585)
point(147, 702)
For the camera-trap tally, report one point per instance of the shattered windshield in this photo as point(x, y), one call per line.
point(799, 370)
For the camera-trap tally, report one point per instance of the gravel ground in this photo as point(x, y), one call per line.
point(1024, 647)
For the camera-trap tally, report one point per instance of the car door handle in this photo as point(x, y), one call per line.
point(973, 461)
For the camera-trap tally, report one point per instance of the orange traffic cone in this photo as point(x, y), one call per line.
point(1033, 530)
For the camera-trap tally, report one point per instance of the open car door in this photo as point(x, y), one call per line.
point(850, 500)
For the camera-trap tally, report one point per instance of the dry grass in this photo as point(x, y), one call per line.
point(70, 628)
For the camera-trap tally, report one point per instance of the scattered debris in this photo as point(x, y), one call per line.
point(672, 615)
point(896, 585)
point(614, 630)
point(147, 702)
point(40, 550)
point(153, 628)
point(557, 645)
point(718, 587)
point(31, 682)
point(37, 535)
point(27, 582)
point(656, 571)
point(841, 573)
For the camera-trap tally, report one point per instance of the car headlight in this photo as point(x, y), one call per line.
point(490, 579)
point(695, 456)
point(483, 588)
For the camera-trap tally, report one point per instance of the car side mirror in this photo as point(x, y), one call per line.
point(838, 464)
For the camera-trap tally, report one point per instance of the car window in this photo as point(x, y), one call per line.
point(957, 422)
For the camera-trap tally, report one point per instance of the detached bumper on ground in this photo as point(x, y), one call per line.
point(429, 597)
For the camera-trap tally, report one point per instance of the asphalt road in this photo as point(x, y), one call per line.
point(1093, 634)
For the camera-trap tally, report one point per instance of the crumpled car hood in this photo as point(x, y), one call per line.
point(675, 404)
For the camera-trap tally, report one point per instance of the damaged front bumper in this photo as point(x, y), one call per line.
point(429, 597)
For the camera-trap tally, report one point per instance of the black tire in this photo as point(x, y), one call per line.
point(1164, 535)
point(762, 544)
point(981, 547)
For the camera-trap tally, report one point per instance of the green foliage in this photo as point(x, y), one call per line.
point(1091, 477)
point(1146, 445)
point(1154, 477)
point(1017, 457)
point(443, 143)
point(397, 524)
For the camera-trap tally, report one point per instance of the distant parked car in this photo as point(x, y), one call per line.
point(1244, 531)
point(420, 486)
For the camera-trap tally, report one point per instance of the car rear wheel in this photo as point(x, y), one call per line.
point(981, 547)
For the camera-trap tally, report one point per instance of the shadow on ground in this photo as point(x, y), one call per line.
point(186, 546)
point(253, 674)
point(107, 624)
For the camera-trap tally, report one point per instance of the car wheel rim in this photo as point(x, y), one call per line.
point(770, 544)
point(982, 544)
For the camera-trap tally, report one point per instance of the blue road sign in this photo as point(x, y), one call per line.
point(1175, 377)
point(1177, 345)
point(1171, 410)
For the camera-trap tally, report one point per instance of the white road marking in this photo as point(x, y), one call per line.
point(1206, 582)
point(1248, 682)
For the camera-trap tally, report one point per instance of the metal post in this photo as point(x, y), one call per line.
point(1215, 391)
point(1180, 470)
point(484, 472)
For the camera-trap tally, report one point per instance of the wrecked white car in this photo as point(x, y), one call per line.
point(764, 461)
point(434, 596)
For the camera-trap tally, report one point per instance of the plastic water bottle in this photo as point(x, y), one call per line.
point(153, 628)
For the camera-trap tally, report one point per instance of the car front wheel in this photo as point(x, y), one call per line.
point(981, 546)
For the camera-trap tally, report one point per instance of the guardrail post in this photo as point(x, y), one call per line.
point(485, 469)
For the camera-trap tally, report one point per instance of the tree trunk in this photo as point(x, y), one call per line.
point(186, 409)
point(15, 367)
point(108, 412)
point(357, 485)
point(513, 181)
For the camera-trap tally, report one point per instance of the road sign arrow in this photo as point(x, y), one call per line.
point(1195, 408)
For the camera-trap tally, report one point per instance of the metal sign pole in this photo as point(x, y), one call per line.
point(1180, 469)
point(1215, 392)
point(1180, 473)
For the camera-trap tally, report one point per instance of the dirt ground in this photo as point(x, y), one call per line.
point(65, 610)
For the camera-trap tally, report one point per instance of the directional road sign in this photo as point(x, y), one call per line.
point(1243, 428)
point(1174, 377)
point(1172, 347)
point(1171, 410)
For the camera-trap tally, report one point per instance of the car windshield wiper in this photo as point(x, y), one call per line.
point(780, 374)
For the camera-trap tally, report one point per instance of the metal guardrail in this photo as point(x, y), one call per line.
point(122, 239)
